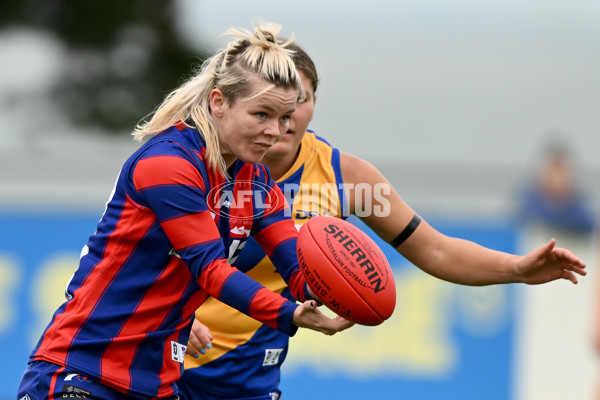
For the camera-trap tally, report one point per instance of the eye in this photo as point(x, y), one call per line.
point(285, 118)
point(261, 115)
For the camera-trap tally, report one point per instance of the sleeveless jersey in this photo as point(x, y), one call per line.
point(246, 355)
point(160, 249)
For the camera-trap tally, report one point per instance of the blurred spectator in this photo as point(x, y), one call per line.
point(553, 199)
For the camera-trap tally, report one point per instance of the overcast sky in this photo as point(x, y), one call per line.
point(424, 89)
point(461, 81)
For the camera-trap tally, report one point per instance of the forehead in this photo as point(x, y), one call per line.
point(307, 83)
point(266, 94)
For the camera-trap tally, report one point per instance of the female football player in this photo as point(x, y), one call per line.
point(170, 227)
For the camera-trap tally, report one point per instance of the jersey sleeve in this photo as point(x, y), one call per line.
point(168, 182)
point(276, 233)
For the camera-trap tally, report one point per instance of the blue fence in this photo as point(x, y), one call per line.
point(443, 341)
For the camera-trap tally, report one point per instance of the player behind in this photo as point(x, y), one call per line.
point(170, 227)
point(244, 358)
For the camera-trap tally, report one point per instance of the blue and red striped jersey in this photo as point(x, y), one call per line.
point(161, 247)
point(246, 356)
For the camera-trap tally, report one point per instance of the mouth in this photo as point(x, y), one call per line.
point(264, 146)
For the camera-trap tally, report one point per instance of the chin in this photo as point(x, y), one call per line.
point(252, 158)
point(278, 150)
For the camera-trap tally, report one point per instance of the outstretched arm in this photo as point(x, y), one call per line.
point(465, 262)
point(452, 259)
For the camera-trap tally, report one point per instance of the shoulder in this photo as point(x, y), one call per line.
point(175, 140)
point(316, 154)
point(172, 153)
point(311, 134)
point(356, 170)
point(317, 149)
point(318, 142)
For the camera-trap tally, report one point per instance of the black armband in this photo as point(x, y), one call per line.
point(405, 234)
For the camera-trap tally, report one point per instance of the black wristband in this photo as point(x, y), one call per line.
point(410, 228)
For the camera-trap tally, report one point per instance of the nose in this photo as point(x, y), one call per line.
point(273, 128)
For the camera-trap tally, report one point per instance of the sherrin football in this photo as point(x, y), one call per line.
point(346, 270)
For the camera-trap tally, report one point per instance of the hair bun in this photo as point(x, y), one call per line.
point(269, 37)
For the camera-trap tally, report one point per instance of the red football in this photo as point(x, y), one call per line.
point(346, 270)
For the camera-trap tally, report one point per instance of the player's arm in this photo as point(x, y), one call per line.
point(452, 259)
point(277, 235)
point(171, 186)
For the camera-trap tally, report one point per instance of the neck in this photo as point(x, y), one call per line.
point(280, 166)
point(229, 160)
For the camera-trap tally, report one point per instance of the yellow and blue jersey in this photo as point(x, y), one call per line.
point(246, 356)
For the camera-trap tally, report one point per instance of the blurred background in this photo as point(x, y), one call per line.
point(483, 115)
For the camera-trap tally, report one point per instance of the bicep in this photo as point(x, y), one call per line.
point(425, 247)
point(173, 189)
point(373, 199)
point(170, 185)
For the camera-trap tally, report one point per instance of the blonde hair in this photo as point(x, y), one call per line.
point(259, 54)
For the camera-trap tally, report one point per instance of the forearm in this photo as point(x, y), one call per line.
point(241, 292)
point(460, 261)
point(279, 242)
point(451, 259)
point(286, 263)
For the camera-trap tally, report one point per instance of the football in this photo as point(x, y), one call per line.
point(346, 269)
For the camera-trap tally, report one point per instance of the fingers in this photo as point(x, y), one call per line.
point(307, 315)
point(572, 265)
point(548, 263)
point(568, 275)
point(200, 339)
point(203, 350)
point(336, 325)
point(545, 249)
point(568, 257)
point(332, 325)
point(192, 350)
point(197, 346)
point(580, 270)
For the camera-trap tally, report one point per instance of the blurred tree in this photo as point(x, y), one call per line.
point(123, 55)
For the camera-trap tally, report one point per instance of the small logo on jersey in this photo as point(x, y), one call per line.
point(78, 377)
point(272, 357)
point(177, 351)
point(255, 198)
point(26, 397)
point(241, 230)
point(74, 392)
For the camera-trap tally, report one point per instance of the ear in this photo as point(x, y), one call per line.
point(217, 102)
point(314, 97)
